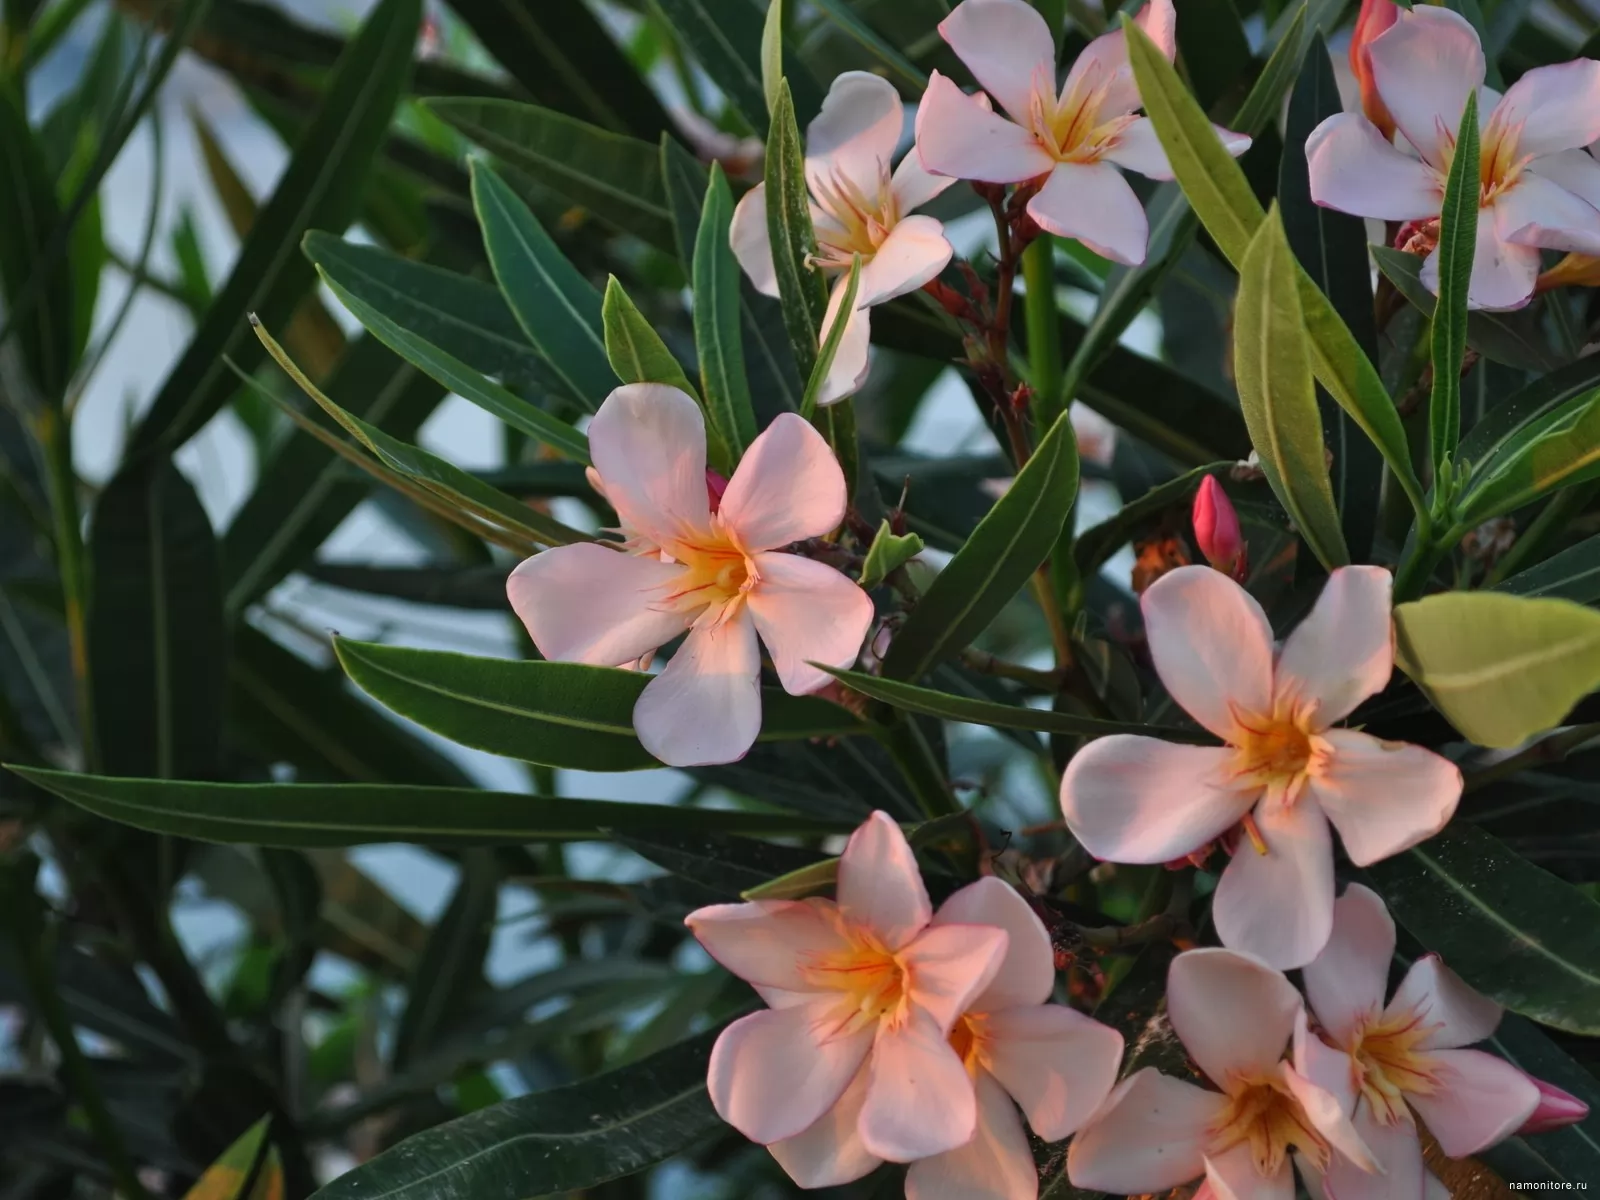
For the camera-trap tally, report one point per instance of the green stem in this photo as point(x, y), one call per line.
point(54, 431)
point(912, 754)
point(1043, 325)
point(1418, 565)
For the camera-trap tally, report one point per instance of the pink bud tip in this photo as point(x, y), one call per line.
point(1556, 1108)
point(715, 486)
point(1375, 19)
point(1216, 528)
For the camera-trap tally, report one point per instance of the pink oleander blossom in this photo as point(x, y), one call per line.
point(718, 576)
point(1069, 143)
point(1286, 770)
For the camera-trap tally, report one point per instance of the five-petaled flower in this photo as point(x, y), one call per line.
point(719, 576)
point(1538, 187)
point(1235, 1016)
point(1017, 1048)
point(1069, 143)
point(1285, 771)
point(1405, 1056)
point(858, 206)
point(868, 983)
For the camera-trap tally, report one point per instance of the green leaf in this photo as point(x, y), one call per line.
point(1514, 932)
point(801, 290)
point(888, 553)
point(616, 178)
point(840, 13)
point(321, 187)
point(717, 336)
point(464, 381)
point(553, 713)
point(558, 308)
point(726, 37)
point(449, 971)
point(772, 53)
point(1271, 362)
point(829, 349)
point(718, 864)
point(1458, 235)
point(636, 351)
point(1098, 543)
point(1500, 667)
point(157, 646)
point(996, 561)
point(29, 221)
point(1557, 451)
point(237, 1165)
point(327, 815)
point(1574, 575)
point(550, 1142)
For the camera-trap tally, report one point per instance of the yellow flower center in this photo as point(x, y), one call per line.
point(871, 981)
point(1066, 126)
point(1279, 751)
point(1499, 163)
point(970, 1040)
point(718, 574)
point(1262, 1113)
point(853, 221)
point(1389, 1064)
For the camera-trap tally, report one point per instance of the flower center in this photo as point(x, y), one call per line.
point(871, 981)
point(1066, 127)
point(1262, 1113)
point(970, 1040)
point(852, 221)
point(1389, 1064)
point(717, 575)
point(1279, 751)
point(1499, 164)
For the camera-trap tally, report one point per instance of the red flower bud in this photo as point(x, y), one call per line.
point(1216, 529)
point(1556, 1108)
point(1376, 17)
point(715, 486)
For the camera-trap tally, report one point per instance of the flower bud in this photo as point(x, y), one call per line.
point(1556, 1108)
point(1216, 528)
point(715, 486)
point(1575, 270)
point(1376, 17)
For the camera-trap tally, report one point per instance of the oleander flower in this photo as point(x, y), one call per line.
point(1056, 1063)
point(858, 206)
point(1405, 1057)
point(1538, 186)
point(867, 989)
point(1286, 770)
point(1070, 143)
point(1235, 1016)
point(719, 576)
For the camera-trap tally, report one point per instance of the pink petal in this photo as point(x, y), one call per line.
point(1343, 651)
point(855, 135)
point(752, 245)
point(1459, 1014)
point(1008, 48)
point(914, 185)
point(1575, 170)
point(880, 885)
point(852, 357)
point(1159, 20)
point(1346, 983)
point(914, 252)
point(1425, 66)
point(705, 706)
point(1355, 169)
point(1057, 1063)
point(948, 965)
point(1027, 973)
point(1149, 1137)
point(1557, 107)
point(1480, 1101)
point(648, 442)
point(807, 612)
point(1503, 273)
point(772, 1074)
point(767, 942)
point(586, 603)
point(788, 486)
point(960, 136)
point(920, 1099)
point(1132, 799)
point(1330, 1117)
point(830, 1152)
point(1537, 212)
point(1211, 644)
point(1332, 1070)
point(1103, 66)
point(1093, 203)
point(1233, 1013)
point(995, 1165)
point(1279, 905)
point(1232, 1175)
point(1137, 148)
point(1398, 1154)
point(1384, 797)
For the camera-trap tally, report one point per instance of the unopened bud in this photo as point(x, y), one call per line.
point(1376, 18)
point(715, 486)
point(1216, 528)
point(1556, 1108)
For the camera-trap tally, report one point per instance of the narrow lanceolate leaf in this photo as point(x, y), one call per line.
point(616, 178)
point(636, 351)
point(157, 646)
point(829, 349)
point(1560, 450)
point(717, 336)
point(1500, 667)
point(725, 35)
point(1221, 195)
point(464, 381)
point(995, 562)
point(321, 188)
point(225, 1178)
point(1574, 575)
point(801, 289)
point(1273, 366)
point(449, 972)
point(772, 53)
point(557, 307)
point(310, 815)
point(1513, 931)
point(553, 713)
point(552, 1142)
point(1458, 234)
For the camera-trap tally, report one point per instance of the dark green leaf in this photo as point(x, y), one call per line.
point(29, 220)
point(725, 35)
point(1458, 235)
point(1510, 424)
point(1095, 545)
point(996, 561)
point(729, 866)
point(1559, 450)
point(636, 351)
point(716, 325)
point(841, 14)
point(449, 972)
point(801, 290)
point(1574, 574)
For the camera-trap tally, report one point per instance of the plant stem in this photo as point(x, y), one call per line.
point(985, 663)
point(54, 432)
point(1044, 342)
